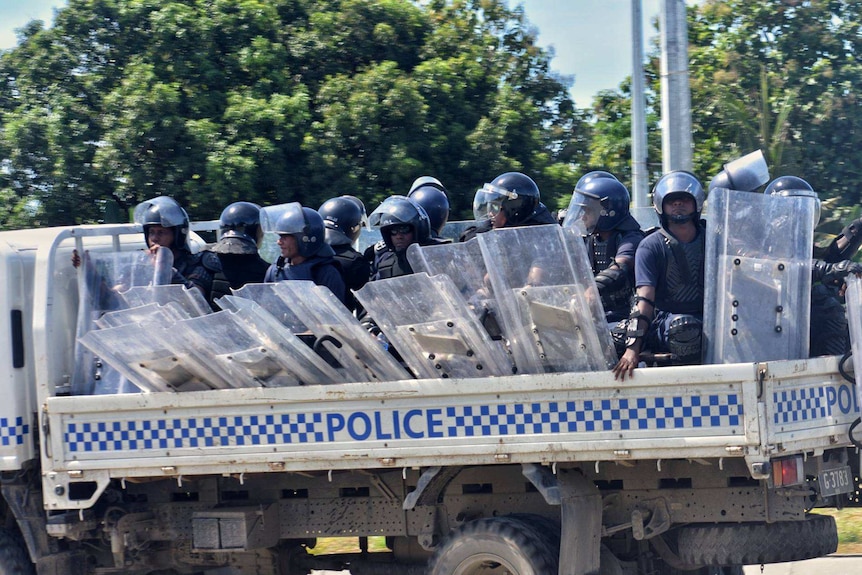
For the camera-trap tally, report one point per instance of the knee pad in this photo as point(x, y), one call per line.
point(684, 339)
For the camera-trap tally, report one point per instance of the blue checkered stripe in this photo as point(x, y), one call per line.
point(482, 420)
point(801, 404)
point(596, 415)
point(12, 431)
point(174, 433)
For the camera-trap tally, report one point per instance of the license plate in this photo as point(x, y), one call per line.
point(835, 481)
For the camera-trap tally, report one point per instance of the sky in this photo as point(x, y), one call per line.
point(591, 38)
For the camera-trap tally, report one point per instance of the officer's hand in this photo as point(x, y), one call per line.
point(626, 365)
point(834, 274)
point(76, 259)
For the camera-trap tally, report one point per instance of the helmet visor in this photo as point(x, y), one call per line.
point(162, 211)
point(583, 212)
point(489, 200)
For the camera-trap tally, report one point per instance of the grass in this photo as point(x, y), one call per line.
point(849, 522)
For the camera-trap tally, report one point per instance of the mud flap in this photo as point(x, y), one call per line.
point(581, 521)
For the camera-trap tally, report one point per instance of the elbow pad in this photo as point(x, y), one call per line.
point(613, 277)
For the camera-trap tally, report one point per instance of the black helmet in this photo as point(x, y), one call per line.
point(678, 182)
point(794, 186)
point(241, 220)
point(306, 226)
point(513, 193)
point(401, 210)
point(431, 195)
point(602, 203)
point(594, 175)
point(343, 218)
point(166, 212)
point(784, 184)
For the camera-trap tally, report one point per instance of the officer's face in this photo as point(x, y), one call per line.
point(402, 236)
point(289, 248)
point(678, 205)
point(498, 220)
point(160, 236)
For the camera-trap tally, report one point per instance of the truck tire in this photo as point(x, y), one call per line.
point(495, 545)
point(14, 559)
point(758, 543)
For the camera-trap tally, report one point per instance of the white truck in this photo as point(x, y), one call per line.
point(219, 462)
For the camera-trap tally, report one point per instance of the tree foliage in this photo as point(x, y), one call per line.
point(779, 75)
point(213, 101)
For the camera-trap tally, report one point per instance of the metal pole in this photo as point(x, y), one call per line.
point(640, 184)
point(675, 92)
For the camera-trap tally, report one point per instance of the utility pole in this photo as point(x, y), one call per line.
point(675, 92)
point(640, 183)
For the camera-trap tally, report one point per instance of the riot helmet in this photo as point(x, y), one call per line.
point(241, 220)
point(397, 211)
point(343, 218)
point(594, 175)
point(167, 213)
point(306, 226)
point(674, 183)
point(432, 197)
point(600, 204)
point(744, 174)
point(513, 193)
point(793, 186)
point(426, 181)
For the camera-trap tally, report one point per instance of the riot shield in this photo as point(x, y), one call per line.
point(854, 319)
point(106, 276)
point(144, 354)
point(149, 313)
point(267, 298)
point(548, 301)
point(246, 355)
point(465, 267)
point(757, 276)
point(432, 328)
point(191, 300)
point(338, 334)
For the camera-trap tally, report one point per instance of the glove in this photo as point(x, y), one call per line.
point(833, 274)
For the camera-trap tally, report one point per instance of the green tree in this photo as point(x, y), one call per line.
point(778, 75)
point(212, 101)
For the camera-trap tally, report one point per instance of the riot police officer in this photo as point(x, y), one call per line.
point(669, 277)
point(600, 209)
point(509, 200)
point(402, 222)
point(305, 255)
point(343, 218)
point(828, 331)
point(166, 226)
point(237, 248)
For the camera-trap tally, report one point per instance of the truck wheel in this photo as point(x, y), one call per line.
point(14, 559)
point(756, 543)
point(495, 545)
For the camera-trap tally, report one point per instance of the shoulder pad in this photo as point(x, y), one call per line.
point(211, 261)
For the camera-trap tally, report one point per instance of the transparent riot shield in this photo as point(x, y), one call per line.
point(325, 324)
point(548, 301)
point(338, 334)
point(144, 354)
point(309, 366)
point(432, 328)
point(464, 265)
point(267, 298)
point(854, 319)
point(757, 276)
point(149, 313)
point(189, 299)
point(106, 276)
point(248, 356)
